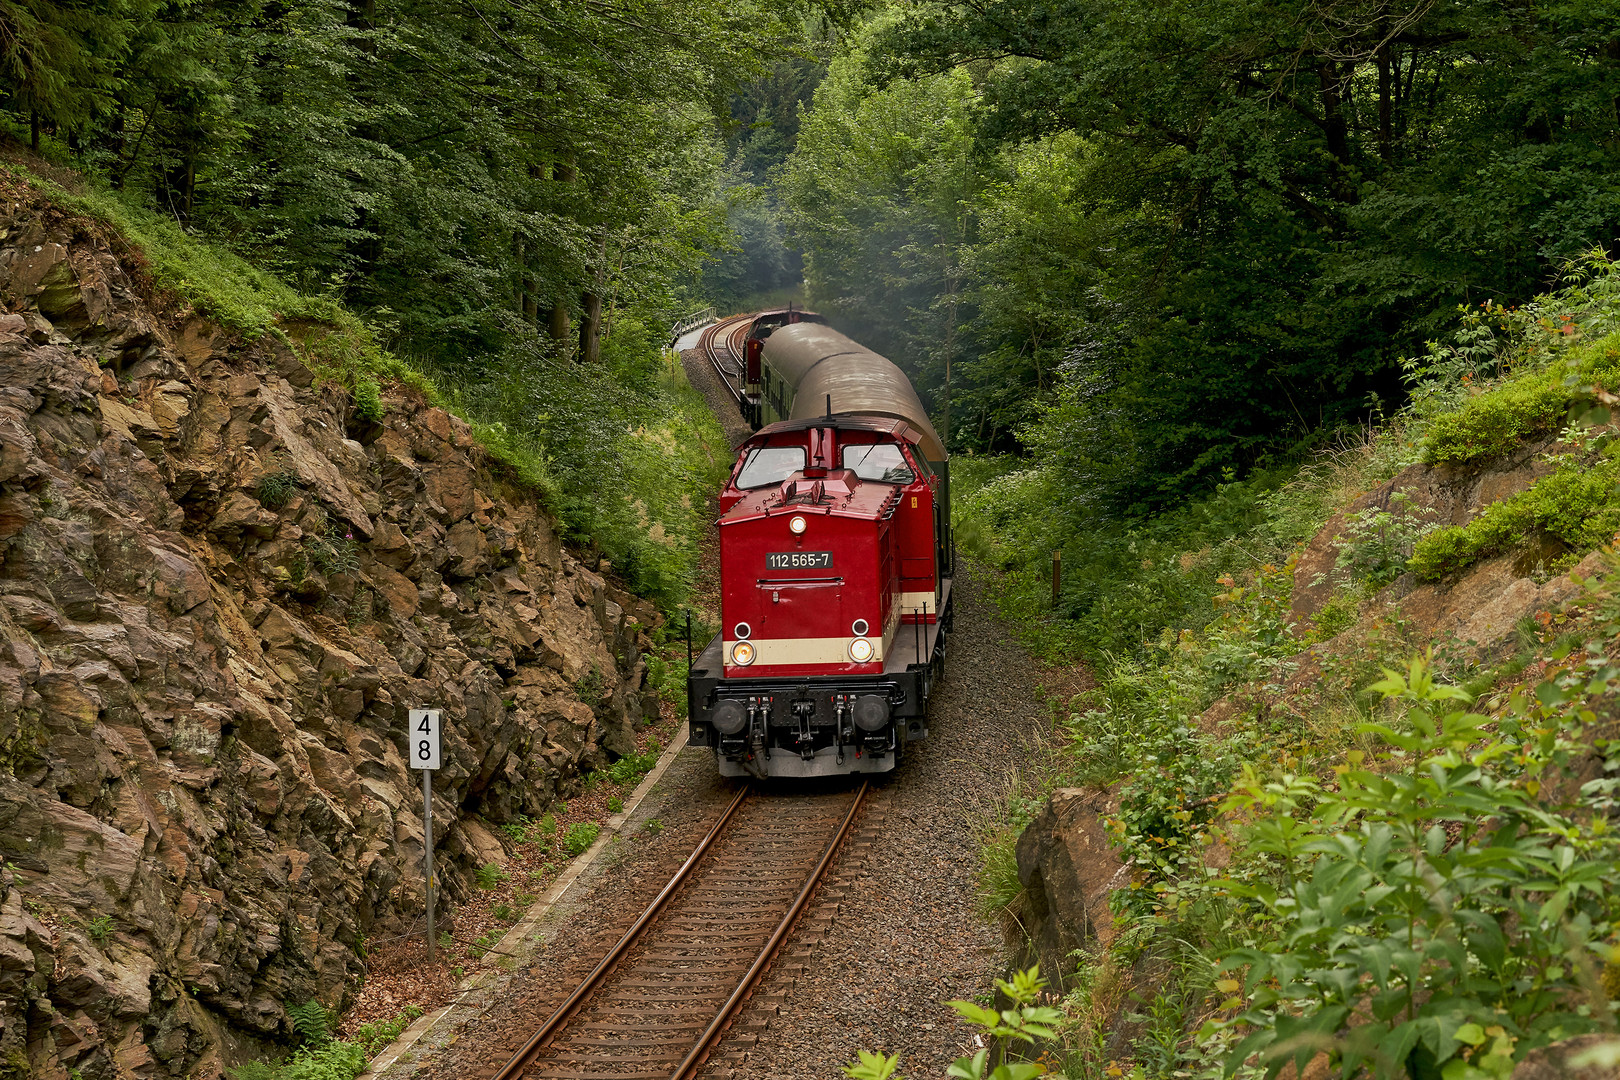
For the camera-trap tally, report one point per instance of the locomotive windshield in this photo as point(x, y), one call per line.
point(768, 465)
point(881, 462)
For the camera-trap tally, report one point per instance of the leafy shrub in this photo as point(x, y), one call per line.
point(1577, 505)
point(490, 875)
point(1377, 541)
point(506, 913)
point(100, 929)
point(654, 826)
point(518, 830)
point(615, 804)
point(1024, 1023)
point(1433, 910)
point(368, 399)
point(548, 824)
point(580, 836)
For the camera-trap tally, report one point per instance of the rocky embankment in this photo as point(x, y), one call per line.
point(220, 590)
point(1067, 864)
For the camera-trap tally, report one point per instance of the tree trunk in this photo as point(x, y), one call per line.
point(33, 129)
point(558, 322)
point(590, 321)
point(1385, 131)
point(590, 328)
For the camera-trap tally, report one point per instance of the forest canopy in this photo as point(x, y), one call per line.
point(1166, 243)
point(469, 173)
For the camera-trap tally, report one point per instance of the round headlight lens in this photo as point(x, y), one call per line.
point(860, 650)
point(860, 628)
point(741, 631)
point(797, 524)
point(742, 654)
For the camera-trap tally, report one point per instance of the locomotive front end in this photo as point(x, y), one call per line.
point(817, 669)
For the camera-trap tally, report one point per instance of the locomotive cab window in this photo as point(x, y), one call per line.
point(768, 465)
point(882, 462)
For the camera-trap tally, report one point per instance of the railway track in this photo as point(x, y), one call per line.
point(724, 343)
point(663, 996)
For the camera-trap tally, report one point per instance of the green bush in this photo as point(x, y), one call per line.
point(1396, 944)
point(368, 399)
point(1578, 505)
point(1499, 419)
point(490, 875)
point(580, 836)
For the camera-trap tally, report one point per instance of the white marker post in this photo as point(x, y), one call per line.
point(424, 753)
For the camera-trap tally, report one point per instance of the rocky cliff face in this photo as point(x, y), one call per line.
point(220, 591)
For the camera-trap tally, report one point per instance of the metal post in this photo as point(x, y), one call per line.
point(427, 853)
point(1057, 575)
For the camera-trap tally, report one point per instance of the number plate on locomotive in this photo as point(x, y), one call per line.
point(798, 560)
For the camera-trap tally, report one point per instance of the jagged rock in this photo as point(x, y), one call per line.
point(1067, 870)
point(204, 677)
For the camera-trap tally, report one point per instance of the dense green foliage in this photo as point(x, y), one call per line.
point(1159, 243)
point(1395, 851)
point(456, 173)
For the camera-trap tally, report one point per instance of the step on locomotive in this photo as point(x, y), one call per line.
point(836, 563)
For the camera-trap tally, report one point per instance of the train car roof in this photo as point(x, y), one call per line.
point(823, 365)
point(881, 425)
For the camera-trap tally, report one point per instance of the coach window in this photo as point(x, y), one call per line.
point(767, 465)
point(882, 462)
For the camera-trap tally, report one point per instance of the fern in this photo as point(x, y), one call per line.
point(312, 1021)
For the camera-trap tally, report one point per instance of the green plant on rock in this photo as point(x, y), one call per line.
point(519, 830)
point(580, 836)
point(1578, 505)
point(100, 929)
point(1434, 915)
point(1377, 541)
point(1024, 1023)
point(333, 550)
point(367, 398)
point(275, 490)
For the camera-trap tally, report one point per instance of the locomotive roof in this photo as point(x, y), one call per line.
point(819, 362)
point(838, 494)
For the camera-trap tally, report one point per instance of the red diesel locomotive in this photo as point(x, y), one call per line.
point(835, 562)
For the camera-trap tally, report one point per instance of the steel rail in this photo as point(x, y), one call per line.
point(524, 1057)
point(732, 326)
point(707, 1040)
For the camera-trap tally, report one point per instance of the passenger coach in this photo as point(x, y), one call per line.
point(836, 564)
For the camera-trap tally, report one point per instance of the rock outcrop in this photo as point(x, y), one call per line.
point(1068, 870)
point(220, 591)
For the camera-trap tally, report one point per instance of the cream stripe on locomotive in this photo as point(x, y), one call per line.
point(913, 602)
point(812, 650)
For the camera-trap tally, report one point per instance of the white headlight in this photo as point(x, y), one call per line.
point(742, 654)
point(860, 650)
point(796, 524)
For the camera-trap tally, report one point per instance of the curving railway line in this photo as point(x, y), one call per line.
point(662, 998)
point(724, 344)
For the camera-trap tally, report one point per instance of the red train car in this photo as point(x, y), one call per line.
point(836, 567)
